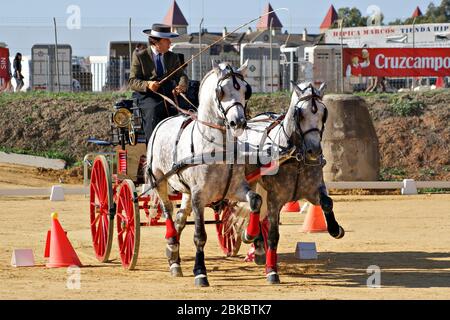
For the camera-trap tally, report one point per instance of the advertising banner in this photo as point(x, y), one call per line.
point(420, 35)
point(5, 75)
point(397, 62)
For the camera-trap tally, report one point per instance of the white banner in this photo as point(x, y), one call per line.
point(419, 35)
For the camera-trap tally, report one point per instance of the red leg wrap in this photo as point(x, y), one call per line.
point(271, 260)
point(253, 225)
point(170, 229)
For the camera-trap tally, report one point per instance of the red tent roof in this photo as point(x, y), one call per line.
point(330, 18)
point(417, 13)
point(174, 16)
point(264, 22)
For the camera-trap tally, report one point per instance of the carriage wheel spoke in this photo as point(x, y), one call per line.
point(130, 248)
point(121, 216)
point(95, 220)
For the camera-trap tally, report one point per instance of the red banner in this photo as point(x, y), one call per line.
point(397, 62)
point(4, 69)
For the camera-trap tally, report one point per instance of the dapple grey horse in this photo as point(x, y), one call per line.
point(299, 135)
point(301, 177)
point(207, 178)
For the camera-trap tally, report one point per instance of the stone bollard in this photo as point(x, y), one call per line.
point(350, 143)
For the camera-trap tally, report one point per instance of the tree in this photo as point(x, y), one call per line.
point(353, 17)
point(434, 14)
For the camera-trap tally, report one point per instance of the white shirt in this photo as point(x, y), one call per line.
point(155, 56)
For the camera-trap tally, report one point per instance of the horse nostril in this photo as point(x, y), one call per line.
point(232, 124)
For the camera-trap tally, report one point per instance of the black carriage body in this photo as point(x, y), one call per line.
point(130, 142)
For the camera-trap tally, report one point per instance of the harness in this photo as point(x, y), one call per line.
point(296, 151)
point(194, 160)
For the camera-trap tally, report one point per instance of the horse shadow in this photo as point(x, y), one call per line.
point(408, 269)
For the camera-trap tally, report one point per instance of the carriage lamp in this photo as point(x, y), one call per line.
point(122, 117)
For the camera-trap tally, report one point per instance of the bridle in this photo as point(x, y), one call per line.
point(299, 152)
point(298, 115)
point(220, 93)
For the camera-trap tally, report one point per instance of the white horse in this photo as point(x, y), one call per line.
point(191, 160)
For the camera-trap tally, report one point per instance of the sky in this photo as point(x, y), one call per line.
point(30, 22)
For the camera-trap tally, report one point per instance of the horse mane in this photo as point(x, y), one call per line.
point(204, 79)
point(208, 74)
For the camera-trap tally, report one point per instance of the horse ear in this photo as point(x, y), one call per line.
point(243, 69)
point(322, 89)
point(215, 65)
point(297, 89)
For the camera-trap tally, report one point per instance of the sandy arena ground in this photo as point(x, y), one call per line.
point(406, 236)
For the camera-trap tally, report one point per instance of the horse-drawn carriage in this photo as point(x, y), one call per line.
point(293, 139)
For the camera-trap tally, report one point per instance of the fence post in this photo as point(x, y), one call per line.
point(121, 72)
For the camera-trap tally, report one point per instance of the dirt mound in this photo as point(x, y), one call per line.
point(55, 125)
point(412, 128)
point(414, 134)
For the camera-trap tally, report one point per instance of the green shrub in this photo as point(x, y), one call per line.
point(390, 174)
point(406, 107)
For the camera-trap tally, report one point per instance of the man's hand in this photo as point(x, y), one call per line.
point(180, 89)
point(153, 85)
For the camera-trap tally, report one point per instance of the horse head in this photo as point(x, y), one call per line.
point(229, 95)
point(310, 115)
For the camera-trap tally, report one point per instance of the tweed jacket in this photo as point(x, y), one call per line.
point(143, 69)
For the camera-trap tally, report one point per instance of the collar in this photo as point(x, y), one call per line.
point(155, 53)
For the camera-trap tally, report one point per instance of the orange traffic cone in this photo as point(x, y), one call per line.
point(314, 221)
point(61, 252)
point(293, 206)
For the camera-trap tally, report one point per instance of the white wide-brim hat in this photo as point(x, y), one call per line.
point(160, 31)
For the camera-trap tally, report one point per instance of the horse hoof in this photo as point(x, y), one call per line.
point(175, 271)
point(201, 281)
point(341, 233)
point(273, 278)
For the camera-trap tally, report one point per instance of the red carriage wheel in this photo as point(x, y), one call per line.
point(101, 203)
point(128, 224)
point(227, 232)
point(152, 209)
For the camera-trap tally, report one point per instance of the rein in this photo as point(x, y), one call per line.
point(296, 153)
point(191, 114)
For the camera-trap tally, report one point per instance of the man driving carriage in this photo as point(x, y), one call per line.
point(148, 68)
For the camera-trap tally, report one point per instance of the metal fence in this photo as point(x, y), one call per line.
point(101, 76)
point(391, 85)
